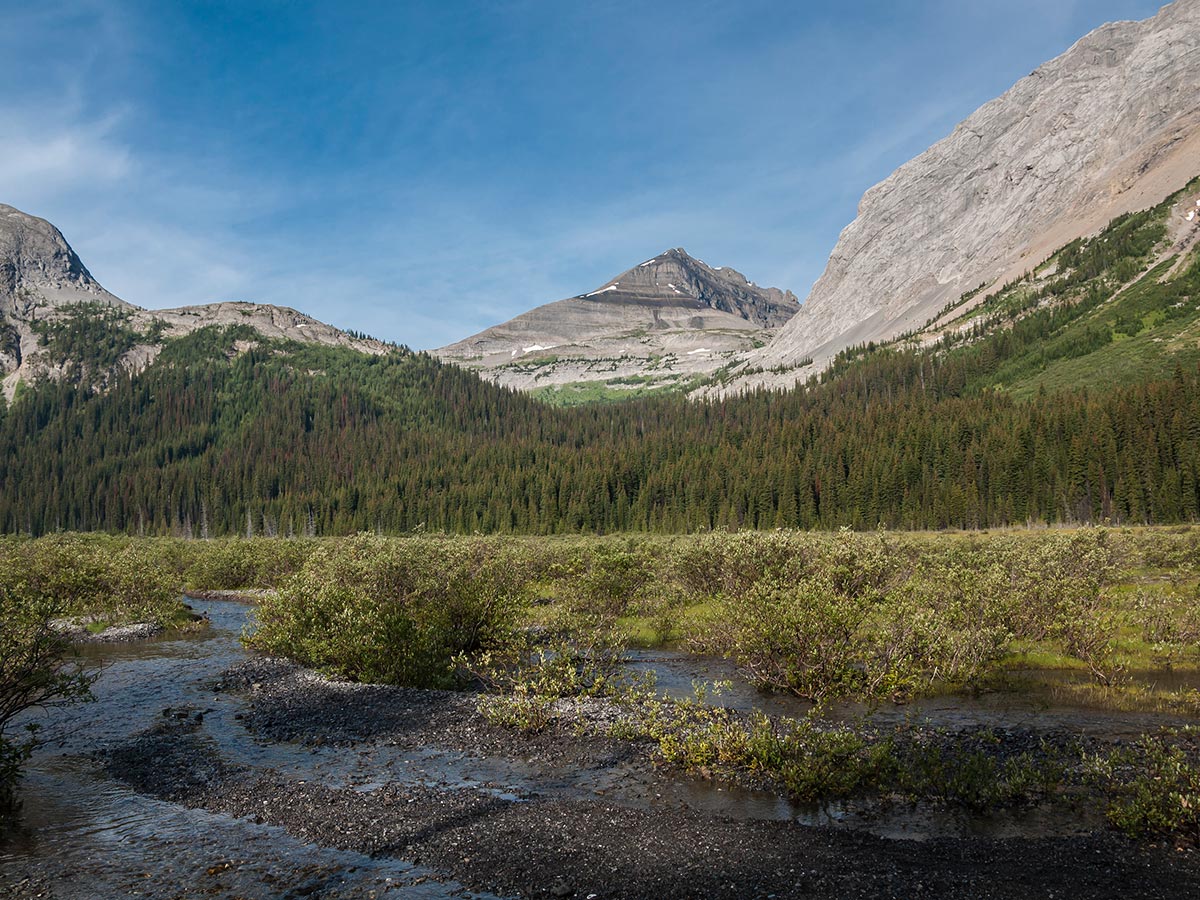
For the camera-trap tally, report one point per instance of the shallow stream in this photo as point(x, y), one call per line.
point(677, 674)
point(84, 834)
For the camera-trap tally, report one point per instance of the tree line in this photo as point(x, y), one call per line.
point(291, 439)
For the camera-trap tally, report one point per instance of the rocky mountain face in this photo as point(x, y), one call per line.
point(39, 268)
point(43, 281)
point(1110, 127)
point(667, 320)
point(38, 272)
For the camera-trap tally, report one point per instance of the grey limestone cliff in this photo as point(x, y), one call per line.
point(1109, 127)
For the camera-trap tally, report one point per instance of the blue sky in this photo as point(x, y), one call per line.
point(421, 170)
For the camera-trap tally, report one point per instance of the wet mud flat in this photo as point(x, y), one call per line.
point(203, 771)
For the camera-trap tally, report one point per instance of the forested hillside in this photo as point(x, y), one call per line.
point(306, 439)
point(1072, 395)
point(1122, 306)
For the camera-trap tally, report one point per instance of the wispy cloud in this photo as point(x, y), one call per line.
point(149, 235)
point(497, 157)
point(42, 160)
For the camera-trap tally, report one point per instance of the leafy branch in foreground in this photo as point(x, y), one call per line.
point(36, 671)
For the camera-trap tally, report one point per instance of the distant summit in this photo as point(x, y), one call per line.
point(673, 278)
point(657, 325)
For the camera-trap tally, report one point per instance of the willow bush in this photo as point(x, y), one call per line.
point(105, 578)
point(879, 617)
point(394, 611)
point(233, 563)
point(38, 584)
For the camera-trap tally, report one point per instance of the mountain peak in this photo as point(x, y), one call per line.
point(42, 279)
point(39, 268)
point(657, 325)
point(674, 277)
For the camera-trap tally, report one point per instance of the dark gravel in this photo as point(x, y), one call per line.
point(78, 632)
point(588, 848)
point(285, 702)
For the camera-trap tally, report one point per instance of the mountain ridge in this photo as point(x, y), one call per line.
point(43, 281)
point(226, 427)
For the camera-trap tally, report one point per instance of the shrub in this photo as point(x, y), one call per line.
point(727, 565)
point(109, 579)
point(805, 637)
point(574, 655)
point(234, 563)
point(1054, 580)
point(1154, 786)
point(610, 581)
point(945, 625)
point(36, 669)
point(1168, 620)
point(814, 763)
point(971, 769)
point(393, 611)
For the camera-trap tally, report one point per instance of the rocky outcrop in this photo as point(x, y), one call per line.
point(41, 277)
point(1109, 127)
point(38, 268)
point(281, 322)
point(662, 322)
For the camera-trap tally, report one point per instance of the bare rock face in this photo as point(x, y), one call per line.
point(41, 277)
point(1111, 126)
point(663, 321)
point(39, 268)
point(39, 274)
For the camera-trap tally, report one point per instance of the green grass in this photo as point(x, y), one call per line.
point(1168, 338)
point(1103, 316)
point(531, 362)
point(641, 632)
point(1151, 354)
point(578, 393)
point(644, 630)
point(1024, 656)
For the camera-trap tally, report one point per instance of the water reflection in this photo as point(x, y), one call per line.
point(86, 835)
point(83, 835)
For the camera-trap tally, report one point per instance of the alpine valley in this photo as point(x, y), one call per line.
point(1008, 333)
point(677, 587)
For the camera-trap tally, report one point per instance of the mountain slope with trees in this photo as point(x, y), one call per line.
point(1071, 395)
point(302, 439)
